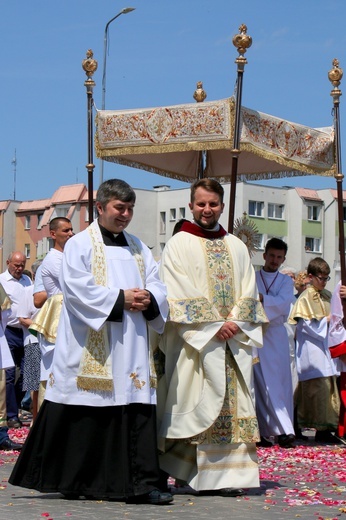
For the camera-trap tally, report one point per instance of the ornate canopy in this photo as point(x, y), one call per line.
point(169, 141)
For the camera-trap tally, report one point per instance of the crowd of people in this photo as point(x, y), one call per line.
point(139, 371)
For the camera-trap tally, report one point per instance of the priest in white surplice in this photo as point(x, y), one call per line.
point(95, 434)
point(208, 426)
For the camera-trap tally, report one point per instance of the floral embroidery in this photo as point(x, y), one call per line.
point(220, 268)
point(137, 383)
point(248, 309)
point(193, 310)
point(51, 379)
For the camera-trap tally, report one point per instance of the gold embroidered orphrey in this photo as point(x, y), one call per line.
point(95, 371)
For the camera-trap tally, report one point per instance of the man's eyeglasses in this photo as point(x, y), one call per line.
point(323, 279)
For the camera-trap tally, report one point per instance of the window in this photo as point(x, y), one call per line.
point(27, 250)
point(259, 241)
point(313, 244)
point(95, 213)
point(61, 211)
point(162, 222)
point(314, 212)
point(39, 218)
point(276, 211)
point(50, 243)
point(181, 213)
point(256, 208)
point(172, 214)
point(27, 222)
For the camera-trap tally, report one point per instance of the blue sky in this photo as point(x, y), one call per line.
point(157, 53)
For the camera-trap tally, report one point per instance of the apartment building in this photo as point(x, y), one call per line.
point(306, 219)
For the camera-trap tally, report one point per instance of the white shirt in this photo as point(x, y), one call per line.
point(14, 288)
point(50, 272)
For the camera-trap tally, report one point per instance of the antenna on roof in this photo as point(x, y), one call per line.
point(14, 164)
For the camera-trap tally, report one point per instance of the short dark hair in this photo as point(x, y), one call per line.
point(276, 243)
point(55, 222)
point(115, 189)
point(209, 185)
point(318, 266)
point(178, 225)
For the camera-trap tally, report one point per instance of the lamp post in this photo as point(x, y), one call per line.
point(105, 45)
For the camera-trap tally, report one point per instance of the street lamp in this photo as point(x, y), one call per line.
point(105, 46)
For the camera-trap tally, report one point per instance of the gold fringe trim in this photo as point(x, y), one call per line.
point(92, 383)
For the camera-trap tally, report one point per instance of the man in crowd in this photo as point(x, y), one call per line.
point(208, 426)
point(61, 231)
point(273, 379)
point(46, 321)
point(13, 280)
point(102, 385)
point(6, 361)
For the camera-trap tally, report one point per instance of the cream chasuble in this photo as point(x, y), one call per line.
point(208, 425)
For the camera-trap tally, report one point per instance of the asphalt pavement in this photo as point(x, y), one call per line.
point(307, 482)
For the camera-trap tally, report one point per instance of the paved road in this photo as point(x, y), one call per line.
point(307, 482)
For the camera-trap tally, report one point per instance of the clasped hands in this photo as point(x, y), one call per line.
point(227, 331)
point(136, 300)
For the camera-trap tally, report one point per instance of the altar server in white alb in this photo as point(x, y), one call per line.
point(207, 415)
point(95, 435)
point(273, 379)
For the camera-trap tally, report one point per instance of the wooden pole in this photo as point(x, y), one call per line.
point(242, 41)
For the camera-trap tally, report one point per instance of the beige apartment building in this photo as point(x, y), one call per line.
point(306, 219)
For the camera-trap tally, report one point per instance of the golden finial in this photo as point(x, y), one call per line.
point(242, 41)
point(199, 94)
point(335, 74)
point(89, 64)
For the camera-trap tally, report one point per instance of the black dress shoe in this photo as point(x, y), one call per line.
point(7, 444)
point(155, 497)
point(231, 492)
point(14, 423)
point(326, 437)
point(286, 440)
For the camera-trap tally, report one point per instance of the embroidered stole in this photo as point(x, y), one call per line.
point(95, 369)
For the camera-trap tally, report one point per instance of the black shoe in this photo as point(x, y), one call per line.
point(300, 436)
point(231, 492)
point(264, 443)
point(14, 423)
point(286, 440)
point(155, 497)
point(7, 444)
point(326, 437)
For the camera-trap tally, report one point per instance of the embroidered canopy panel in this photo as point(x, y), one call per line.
point(169, 141)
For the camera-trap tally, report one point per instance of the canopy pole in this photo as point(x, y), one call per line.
point(90, 65)
point(242, 41)
point(200, 95)
point(335, 76)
